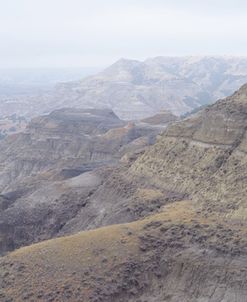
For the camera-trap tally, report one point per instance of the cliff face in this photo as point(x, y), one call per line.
point(185, 200)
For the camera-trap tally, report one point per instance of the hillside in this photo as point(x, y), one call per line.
point(135, 90)
point(50, 172)
point(173, 256)
point(186, 198)
point(204, 156)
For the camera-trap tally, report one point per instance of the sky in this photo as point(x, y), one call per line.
point(95, 33)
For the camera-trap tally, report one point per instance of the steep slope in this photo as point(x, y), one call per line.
point(191, 248)
point(204, 156)
point(51, 173)
point(135, 90)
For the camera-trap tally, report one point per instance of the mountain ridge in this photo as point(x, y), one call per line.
point(138, 89)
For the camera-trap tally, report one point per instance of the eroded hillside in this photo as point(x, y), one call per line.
point(204, 156)
point(51, 174)
point(184, 199)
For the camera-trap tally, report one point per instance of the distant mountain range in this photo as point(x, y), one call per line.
point(134, 89)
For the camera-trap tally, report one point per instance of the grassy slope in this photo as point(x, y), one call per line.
point(122, 262)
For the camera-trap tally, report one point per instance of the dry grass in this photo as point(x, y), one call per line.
point(76, 267)
point(148, 194)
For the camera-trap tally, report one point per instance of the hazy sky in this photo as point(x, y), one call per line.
point(62, 33)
